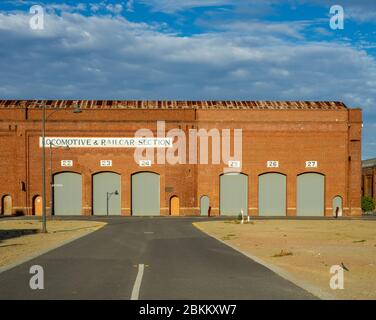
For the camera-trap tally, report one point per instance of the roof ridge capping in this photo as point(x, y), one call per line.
point(369, 163)
point(177, 104)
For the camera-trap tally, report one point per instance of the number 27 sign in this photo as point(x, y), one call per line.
point(311, 164)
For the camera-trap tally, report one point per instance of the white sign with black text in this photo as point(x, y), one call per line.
point(272, 164)
point(106, 163)
point(234, 164)
point(145, 163)
point(67, 163)
point(311, 164)
point(107, 142)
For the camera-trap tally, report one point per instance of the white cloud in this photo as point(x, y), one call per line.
point(271, 29)
point(130, 5)
point(171, 6)
point(134, 60)
point(108, 57)
point(359, 10)
point(115, 8)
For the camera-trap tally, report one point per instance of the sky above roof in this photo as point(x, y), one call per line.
point(192, 50)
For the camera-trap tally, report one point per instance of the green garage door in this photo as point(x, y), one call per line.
point(233, 194)
point(67, 194)
point(107, 193)
point(272, 194)
point(145, 194)
point(310, 195)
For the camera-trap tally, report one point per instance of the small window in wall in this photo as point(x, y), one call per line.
point(204, 206)
point(37, 205)
point(6, 205)
point(337, 206)
point(174, 206)
point(369, 186)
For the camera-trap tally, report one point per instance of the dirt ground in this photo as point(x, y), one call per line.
point(307, 250)
point(20, 239)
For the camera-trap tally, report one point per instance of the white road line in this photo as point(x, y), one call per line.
point(137, 283)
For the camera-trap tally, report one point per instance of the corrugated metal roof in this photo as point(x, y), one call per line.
point(369, 163)
point(172, 104)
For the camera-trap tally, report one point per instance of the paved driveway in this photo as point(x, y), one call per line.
point(180, 262)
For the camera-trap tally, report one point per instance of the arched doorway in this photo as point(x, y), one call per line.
point(145, 194)
point(37, 205)
point(204, 205)
point(337, 203)
point(7, 205)
point(67, 194)
point(107, 193)
point(233, 194)
point(174, 206)
point(272, 194)
point(310, 194)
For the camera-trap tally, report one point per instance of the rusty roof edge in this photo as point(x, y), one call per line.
point(369, 163)
point(175, 104)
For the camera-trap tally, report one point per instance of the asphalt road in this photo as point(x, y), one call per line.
point(180, 262)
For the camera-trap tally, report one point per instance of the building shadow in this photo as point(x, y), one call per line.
point(15, 233)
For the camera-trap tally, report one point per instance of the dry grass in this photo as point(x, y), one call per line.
point(307, 249)
point(282, 253)
point(22, 238)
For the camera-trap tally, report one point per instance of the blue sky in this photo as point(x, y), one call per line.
point(190, 50)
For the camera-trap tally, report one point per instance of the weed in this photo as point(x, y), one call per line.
point(283, 253)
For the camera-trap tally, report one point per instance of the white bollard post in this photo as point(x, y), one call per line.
point(242, 213)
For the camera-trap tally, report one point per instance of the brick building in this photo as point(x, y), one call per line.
point(298, 159)
point(369, 178)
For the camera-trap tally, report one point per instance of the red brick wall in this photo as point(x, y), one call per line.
point(331, 137)
point(369, 182)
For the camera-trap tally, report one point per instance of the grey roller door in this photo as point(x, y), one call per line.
point(310, 195)
point(67, 194)
point(233, 194)
point(105, 199)
point(145, 194)
point(204, 205)
point(272, 194)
